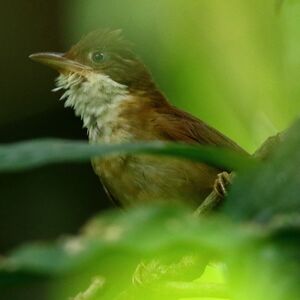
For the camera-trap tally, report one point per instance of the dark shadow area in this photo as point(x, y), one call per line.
point(46, 203)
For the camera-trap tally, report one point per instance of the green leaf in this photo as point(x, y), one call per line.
point(270, 192)
point(268, 196)
point(141, 232)
point(32, 154)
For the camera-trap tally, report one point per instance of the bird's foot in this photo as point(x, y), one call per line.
point(221, 183)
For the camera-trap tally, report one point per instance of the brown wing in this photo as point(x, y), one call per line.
point(177, 125)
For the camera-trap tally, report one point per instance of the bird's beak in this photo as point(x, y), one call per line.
point(59, 62)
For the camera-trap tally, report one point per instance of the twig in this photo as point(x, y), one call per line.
point(208, 205)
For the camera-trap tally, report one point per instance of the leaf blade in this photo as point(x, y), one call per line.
point(32, 154)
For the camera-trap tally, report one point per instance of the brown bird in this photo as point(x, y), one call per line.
point(114, 94)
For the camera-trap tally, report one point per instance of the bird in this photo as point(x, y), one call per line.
point(115, 95)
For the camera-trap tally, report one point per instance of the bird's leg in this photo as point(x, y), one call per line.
point(220, 186)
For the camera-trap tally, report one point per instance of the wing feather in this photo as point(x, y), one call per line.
point(180, 126)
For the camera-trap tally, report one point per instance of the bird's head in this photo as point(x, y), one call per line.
point(97, 72)
point(102, 52)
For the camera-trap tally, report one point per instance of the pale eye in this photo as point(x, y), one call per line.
point(97, 57)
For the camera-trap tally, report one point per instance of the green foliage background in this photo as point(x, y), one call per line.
point(236, 65)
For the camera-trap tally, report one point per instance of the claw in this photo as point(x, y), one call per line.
point(221, 183)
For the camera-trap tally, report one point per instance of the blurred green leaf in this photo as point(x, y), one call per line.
point(268, 196)
point(141, 232)
point(112, 244)
point(270, 190)
point(32, 154)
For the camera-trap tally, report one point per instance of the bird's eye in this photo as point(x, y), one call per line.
point(98, 57)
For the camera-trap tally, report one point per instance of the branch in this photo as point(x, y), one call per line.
point(209, 204)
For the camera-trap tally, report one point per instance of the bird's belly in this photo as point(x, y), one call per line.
point(145, 178)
